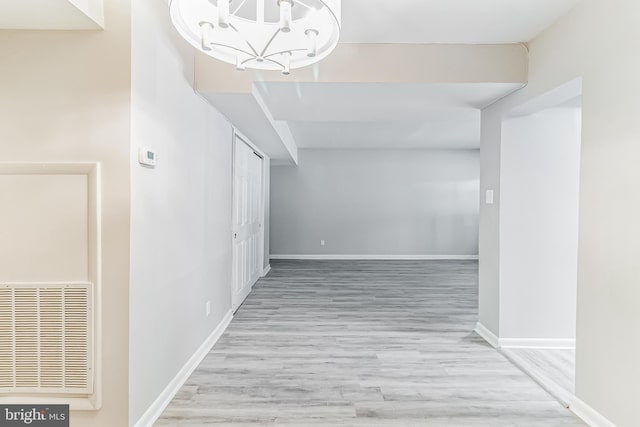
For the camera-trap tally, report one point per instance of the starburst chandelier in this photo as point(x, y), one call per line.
point(262, 34)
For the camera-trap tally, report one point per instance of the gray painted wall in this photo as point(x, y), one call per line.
point(267, 190)
point(376, 202)
point(180, 211)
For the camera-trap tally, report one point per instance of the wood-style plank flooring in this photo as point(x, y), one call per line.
point(361, 343)
point(554, 369)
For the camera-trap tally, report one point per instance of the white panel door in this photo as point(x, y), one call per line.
point(247, 220)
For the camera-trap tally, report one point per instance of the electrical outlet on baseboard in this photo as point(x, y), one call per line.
point(208, 308)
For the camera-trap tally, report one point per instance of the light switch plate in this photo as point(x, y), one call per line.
point(488, 199)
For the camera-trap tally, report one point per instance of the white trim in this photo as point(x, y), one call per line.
point(559, 393)
point(588, 414)
point(487, 335)
point(541, 343)
point(585, 412)
point(266, 270)
point(377, 257)
point(92, 170)
point(162, 401)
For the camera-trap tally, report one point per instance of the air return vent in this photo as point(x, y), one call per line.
point(45, 338)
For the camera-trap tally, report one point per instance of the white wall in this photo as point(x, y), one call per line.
point(181, 209)
point(376, 202)
point(539, 224)
point(64, 97)
point(598, 41)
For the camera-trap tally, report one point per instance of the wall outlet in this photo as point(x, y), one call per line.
point(321, 242)
point(207, 307)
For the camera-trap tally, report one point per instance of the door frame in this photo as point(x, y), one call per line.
point(239, 137)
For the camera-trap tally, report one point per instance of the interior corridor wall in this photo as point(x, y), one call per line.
point(64, 98)
point(180, 210)
point(539, 182)
point(267, 213)
point(376, 202)
point(597, 41)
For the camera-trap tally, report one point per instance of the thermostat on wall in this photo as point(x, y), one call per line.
point(147, 157)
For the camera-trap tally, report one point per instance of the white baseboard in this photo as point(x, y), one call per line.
point(378, 257)
point(558, 344)
point(162, 401)
point(585, 412)
point(589, 415)
point(266, 270)
point(487, 335)
point(563, 396)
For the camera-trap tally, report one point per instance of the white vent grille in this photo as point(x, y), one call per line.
point(45, 338)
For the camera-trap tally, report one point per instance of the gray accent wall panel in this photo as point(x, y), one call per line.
point(376, 202)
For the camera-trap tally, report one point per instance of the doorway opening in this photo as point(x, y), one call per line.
point(540, 177)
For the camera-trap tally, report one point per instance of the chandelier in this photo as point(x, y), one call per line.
point(261, 34)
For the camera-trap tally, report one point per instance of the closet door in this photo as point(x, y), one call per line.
point(248, 214)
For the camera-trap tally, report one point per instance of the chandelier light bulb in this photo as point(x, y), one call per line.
point(285, 15)
point(223, 13)
point(287, 63)
point(312, 43)
point(206, 36)
point(239, 65)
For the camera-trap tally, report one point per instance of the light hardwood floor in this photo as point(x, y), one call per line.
point(361, 343)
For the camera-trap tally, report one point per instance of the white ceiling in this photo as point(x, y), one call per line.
point(384, 115)
point(374, 115)
point(248, 116)
point(448, 21)
point(375, 101)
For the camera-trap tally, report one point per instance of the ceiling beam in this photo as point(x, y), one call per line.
point(381, 63)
